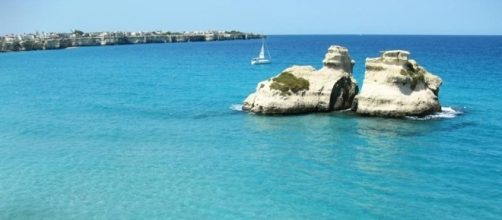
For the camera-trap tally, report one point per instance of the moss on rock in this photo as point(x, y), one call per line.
point(286, 82)
point(416, 75)
point(374, 68)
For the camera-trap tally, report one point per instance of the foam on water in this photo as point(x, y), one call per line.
point(446, 112)
point(236, 107)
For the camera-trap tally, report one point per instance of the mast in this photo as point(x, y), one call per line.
point(268, 53)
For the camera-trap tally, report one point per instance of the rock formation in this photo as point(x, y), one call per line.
point(396, 86)
point(302, 89)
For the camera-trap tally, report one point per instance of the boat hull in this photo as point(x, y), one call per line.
point(258, 62)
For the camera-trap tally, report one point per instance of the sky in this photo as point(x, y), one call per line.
point(446, 17)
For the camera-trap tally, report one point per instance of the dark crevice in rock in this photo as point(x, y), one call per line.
point(341, 95)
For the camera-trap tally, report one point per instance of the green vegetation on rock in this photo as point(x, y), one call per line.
point(287, 83)
point(374, 68)
point(416, 75)
point(233, 32)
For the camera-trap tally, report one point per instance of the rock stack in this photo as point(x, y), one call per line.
point(303, 89)
point(396, 86)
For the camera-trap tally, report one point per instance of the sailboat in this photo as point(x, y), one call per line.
point(262, 59)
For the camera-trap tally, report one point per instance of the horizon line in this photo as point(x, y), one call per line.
point(273, 34)
point(393, 34)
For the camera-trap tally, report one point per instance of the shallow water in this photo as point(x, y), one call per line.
point(154, 132)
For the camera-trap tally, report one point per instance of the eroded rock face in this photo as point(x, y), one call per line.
point(303, 89)
point(396, 86)
point(338, 58)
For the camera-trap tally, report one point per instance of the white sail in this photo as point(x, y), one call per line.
point(262, 52)
point(262, 57)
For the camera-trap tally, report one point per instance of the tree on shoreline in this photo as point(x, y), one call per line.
point(78, 33)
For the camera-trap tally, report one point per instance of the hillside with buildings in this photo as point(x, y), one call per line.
point(50, 41)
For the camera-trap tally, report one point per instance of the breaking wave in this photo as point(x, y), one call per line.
point(446, 112)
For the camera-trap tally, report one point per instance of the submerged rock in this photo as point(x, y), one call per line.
point(303, 89)
point(396, 86)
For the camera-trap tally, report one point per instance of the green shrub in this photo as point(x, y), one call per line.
point(233, 32)
point(416, 75)
point(374, 68)
point(406, 72)
point(287, 83)
point(78, 33)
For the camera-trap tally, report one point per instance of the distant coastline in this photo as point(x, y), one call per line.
point(53, 41)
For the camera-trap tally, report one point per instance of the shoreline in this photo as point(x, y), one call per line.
point(55, 41)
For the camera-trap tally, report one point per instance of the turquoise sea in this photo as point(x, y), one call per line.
point(154, 132)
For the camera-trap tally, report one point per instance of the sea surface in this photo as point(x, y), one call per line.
point(154, 132)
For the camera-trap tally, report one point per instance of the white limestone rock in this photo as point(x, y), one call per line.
point(303, 89)
point(396, 86)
